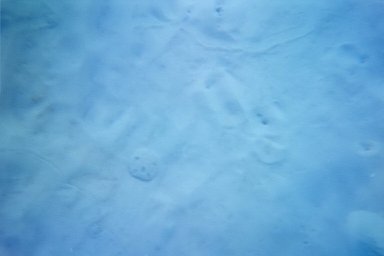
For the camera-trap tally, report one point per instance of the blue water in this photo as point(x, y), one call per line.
point(194, 128)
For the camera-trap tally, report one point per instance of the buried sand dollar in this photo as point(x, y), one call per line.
point(144, 165)
point(270, 152)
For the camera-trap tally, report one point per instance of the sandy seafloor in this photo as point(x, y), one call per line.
point(192, 128)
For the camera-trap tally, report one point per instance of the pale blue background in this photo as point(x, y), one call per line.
point(192, 128)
